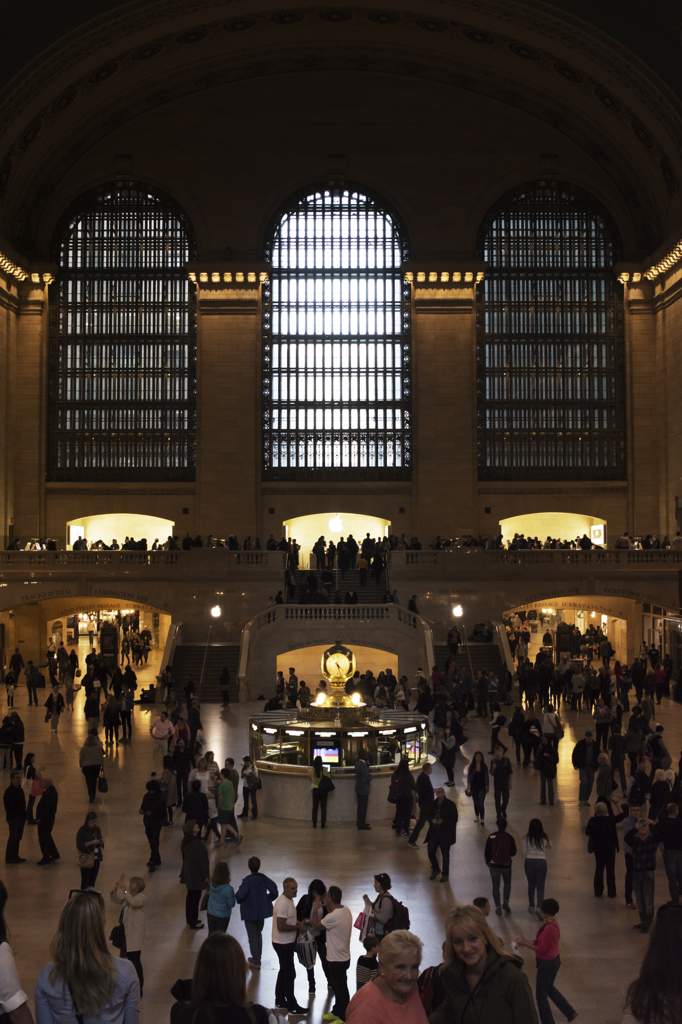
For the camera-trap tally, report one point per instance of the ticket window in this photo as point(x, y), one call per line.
point(295, 747)
point(388, 746)
point(357, 742)
point(413, 745)
point(266, 745)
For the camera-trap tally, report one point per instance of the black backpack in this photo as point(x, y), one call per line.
point(400, 919)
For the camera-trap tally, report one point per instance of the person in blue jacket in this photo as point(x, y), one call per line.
point(478, 784)
point(255, 897)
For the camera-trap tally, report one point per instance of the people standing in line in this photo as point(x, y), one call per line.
point(601, 831)
point(381, 908)
point(500, 847)
point(285, 928)
point(169, 787)
point(669, 833)
point(218, 987)
point(546, 759)
point(255, 897)
point(55, 706)
point(15, 816)
point(153, 811)
point(304, 912)
point(655, 997)
point(46, 814)
point(478, 784)
point(584, 760)
point(34, 774)
point(643, 843)
point(195, 871)
point(317, 773)
point(363, 783)
point(18, 738)
point(91, 759)
point(534, 851)
point(424, 802)
point(442, 835)
point(546, 948)
point(480, 980)
point(89, 844)
point(133, 899)
point(502, 773)
point(337, 924)
point(250, 782)
point(160, 731)
point(221, 898)
point(402, 788)
point(393, 994)
point(84, 979)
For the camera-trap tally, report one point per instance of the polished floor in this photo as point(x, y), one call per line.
point(600, 952)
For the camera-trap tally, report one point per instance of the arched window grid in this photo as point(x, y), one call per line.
point(336, 340)
point(122, 354)
point(550, 352)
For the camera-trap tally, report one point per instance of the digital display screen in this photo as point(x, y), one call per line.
point(329, 755)
point(412, 749)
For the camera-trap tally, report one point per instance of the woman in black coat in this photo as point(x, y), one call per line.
point(89, 843)
point(195, 871)
point(603, 842)
point(183, 762)
point(402, 788)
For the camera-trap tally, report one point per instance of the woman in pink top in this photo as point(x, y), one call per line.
point(392, 997)
point(546, 946)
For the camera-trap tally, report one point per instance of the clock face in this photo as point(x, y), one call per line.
point(338, 665)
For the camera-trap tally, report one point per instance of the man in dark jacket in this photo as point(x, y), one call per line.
point(442, 833)
point(500, 847)
point(425, 801)
point(15, 813)
point(18, 738)
point(153, 810)
point(584, 760)
point(46, 813)
point(255, 897)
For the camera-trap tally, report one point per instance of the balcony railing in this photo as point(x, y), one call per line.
point(197, 559)
point(468, 559)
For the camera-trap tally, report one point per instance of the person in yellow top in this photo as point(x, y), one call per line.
point(318, 772)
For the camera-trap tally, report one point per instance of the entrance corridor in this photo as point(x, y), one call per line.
point(600, 952)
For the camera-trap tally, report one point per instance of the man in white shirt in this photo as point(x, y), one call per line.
point(285, 928)
point(338, 924)
point(161, 728)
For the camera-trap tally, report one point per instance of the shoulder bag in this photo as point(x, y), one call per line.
point(325, 785)
point(86, 860)
point(102, 784)
point(306, 949)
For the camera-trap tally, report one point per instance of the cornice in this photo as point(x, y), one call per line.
point(228, 288)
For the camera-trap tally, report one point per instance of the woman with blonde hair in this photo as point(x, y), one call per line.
point(392, 996)
point(219, 987)
point(482, 984)
point(83, 978)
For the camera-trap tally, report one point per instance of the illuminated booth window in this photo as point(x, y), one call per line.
point(336, 341)
point(122, 377)
point(550, 353)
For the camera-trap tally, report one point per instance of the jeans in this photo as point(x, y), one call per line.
point(254, 932)
point(643, 885)
point(672, 860)
point(536, 873)
point(362, 809)
point(498, 874)
point(501, 800)
point(337, 976)
point(16, 831)
point(321, 941)
point(435, 844)
point(286, 976)
point(545, 990)
point(153, 832)
point(586, 783)
point(546, 783)
point(320, 802)
point(607, 861)
point(192, 901)
point(134, 957)
point(111, 733)
point(628, 877)
point(217, 924)
point(247, 792)
point(478, 795)
point(421, 821)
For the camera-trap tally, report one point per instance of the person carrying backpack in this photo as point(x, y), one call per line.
point(500, 847)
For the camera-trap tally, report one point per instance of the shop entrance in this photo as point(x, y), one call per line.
point(557, 525)
point(118, 526)
point(576, 627)
point(305, 530)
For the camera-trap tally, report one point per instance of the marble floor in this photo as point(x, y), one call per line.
point(600, 952)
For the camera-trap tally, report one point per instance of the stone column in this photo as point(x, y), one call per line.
point(445, 485)
point(228, 395)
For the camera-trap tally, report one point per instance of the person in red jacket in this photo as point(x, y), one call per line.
point(546, 946)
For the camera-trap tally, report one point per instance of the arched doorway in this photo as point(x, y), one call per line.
point(557, 525)
point(306, 661)
point(118, 525)
point(332, 525)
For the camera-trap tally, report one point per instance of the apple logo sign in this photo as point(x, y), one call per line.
point(336, 524)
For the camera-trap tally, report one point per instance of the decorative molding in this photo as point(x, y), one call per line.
point(446, 289)
point(440, 278)
point(12, 269)
point(233, 292)
point(221, 305)
point(106, 489)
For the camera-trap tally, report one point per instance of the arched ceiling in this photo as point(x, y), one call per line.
point(528, 55)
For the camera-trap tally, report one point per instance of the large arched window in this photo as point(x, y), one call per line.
point(336, 345)
point(551, 363)
point(122, 377)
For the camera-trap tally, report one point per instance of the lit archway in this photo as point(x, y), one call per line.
point(306, 661)
point(332, 525)
point(118, 525)
point(558, 525)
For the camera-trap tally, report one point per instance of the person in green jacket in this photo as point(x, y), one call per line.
point(482, 984)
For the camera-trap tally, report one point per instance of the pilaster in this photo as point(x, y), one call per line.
point(444, 354)
point(228, 395)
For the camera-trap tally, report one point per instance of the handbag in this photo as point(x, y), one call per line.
point(118, 933)
point(36, 787)
point(558, 730)
point(259, 784)
point(306, 949)
point(78, 672)
point(86, 860)
point(360, 920)
point(325, 785)
point(204, 901)
point(102, 784)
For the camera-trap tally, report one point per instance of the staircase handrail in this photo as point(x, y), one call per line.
point(172, 641)
point(503, 643)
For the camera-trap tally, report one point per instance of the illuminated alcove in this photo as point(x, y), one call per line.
point(559, 525)
point(118, 525)
point(331, 525)
point(307, 661)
